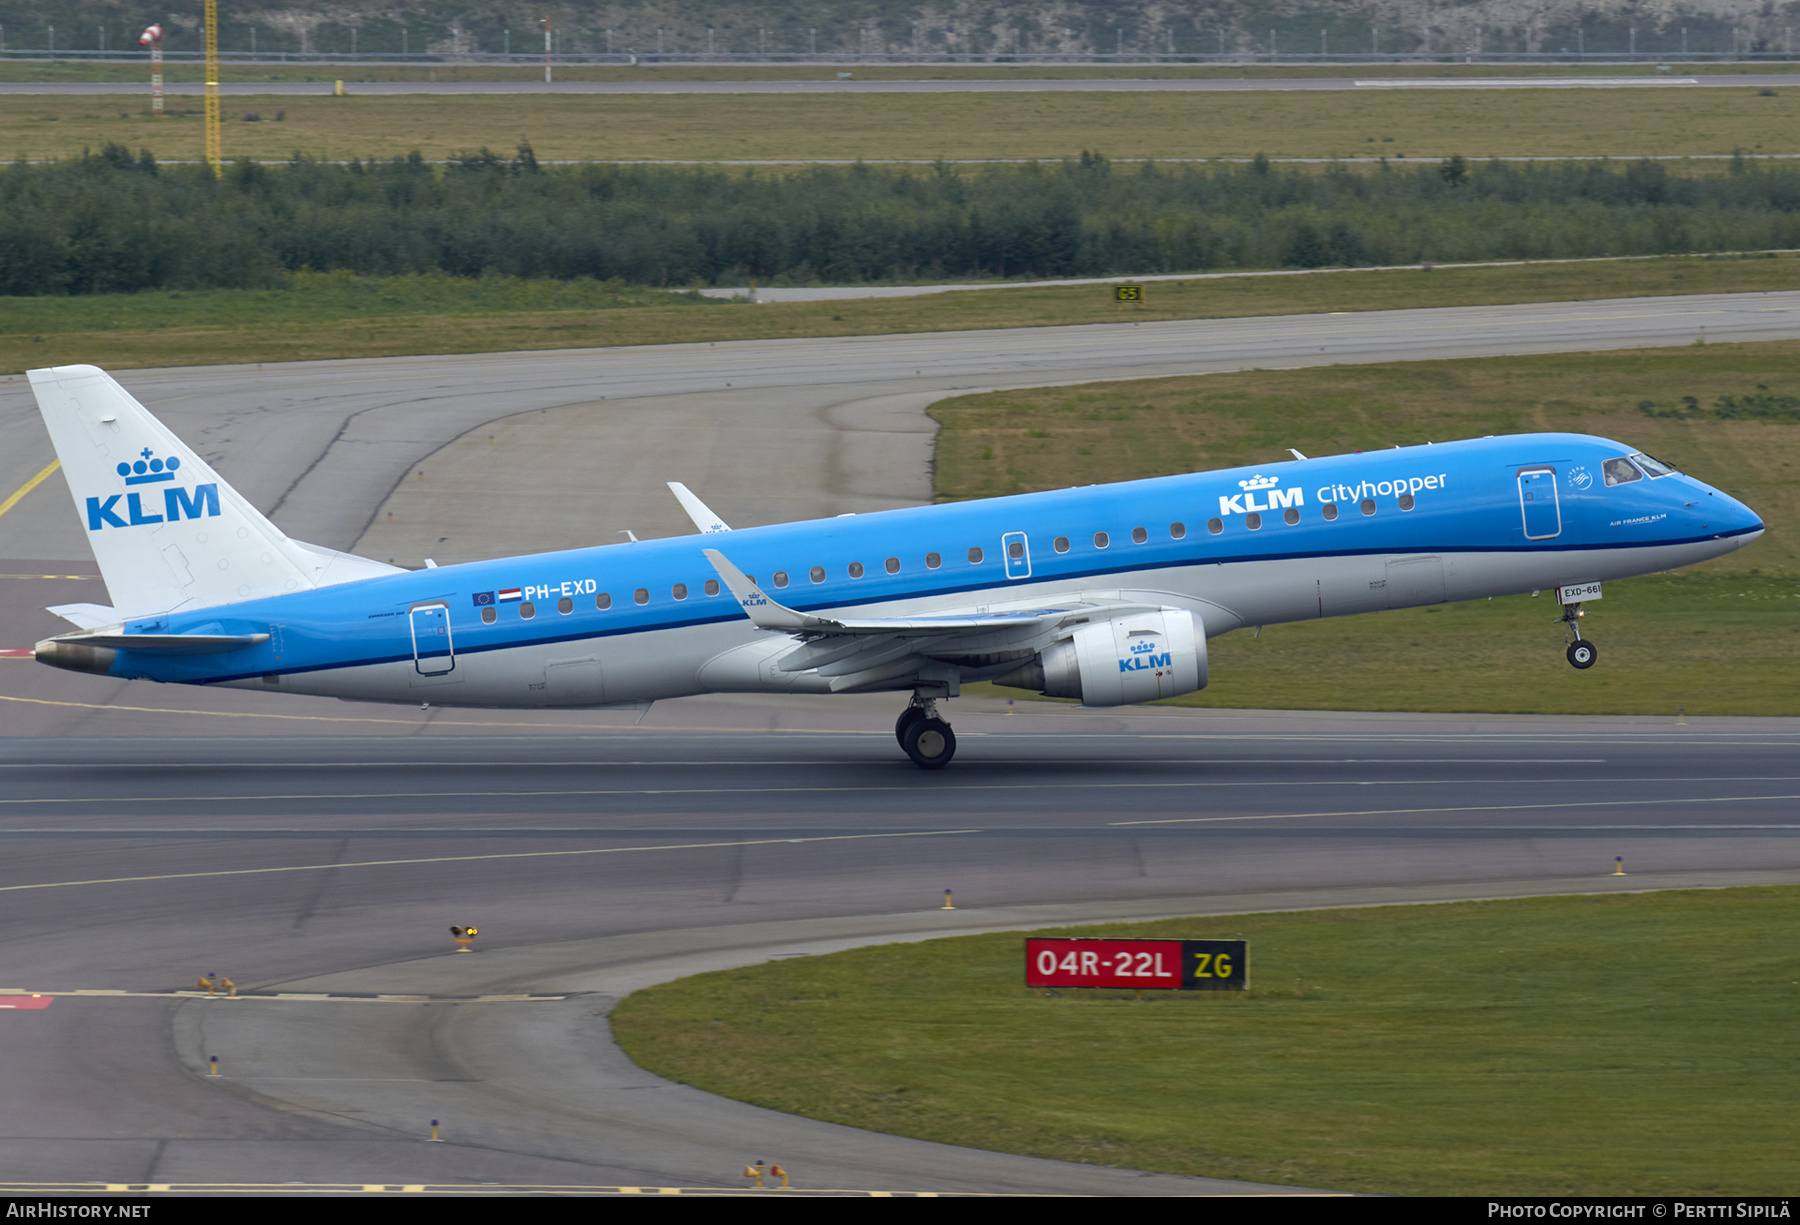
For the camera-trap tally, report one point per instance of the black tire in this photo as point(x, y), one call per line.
point(930, 743)
point(1582, 654)
point(908, 717)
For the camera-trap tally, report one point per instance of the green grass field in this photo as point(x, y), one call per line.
point(1721, 638)
point(337, 315)
point(232, 72)
point(1622, 1045)
point(1050, 126)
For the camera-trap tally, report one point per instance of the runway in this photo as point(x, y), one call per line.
point(941, 86)
point(317, 852)
point(325, 870)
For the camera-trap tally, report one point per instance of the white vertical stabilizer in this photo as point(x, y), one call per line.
point(167, 532)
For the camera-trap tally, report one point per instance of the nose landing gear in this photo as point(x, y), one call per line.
point(1582, 652)
point(926, 738)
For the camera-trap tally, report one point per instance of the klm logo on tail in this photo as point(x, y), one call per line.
point(178, 503)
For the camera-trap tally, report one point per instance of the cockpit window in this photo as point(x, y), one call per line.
point(1620, 472)
point(1655, 467)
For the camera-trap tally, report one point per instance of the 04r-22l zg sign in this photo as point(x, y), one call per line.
point(1169, 965)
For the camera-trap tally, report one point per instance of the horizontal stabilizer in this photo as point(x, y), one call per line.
point(88, 616)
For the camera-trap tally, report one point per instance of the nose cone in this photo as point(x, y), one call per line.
point(1729, 518)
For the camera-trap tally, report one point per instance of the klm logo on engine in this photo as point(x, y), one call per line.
point(1246, 503)
point(1144, 657)
point(177, 503)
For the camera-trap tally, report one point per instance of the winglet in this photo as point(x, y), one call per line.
point(698, 511)
point(758, 607)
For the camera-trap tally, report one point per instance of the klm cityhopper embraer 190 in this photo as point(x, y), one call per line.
point(1106, 593)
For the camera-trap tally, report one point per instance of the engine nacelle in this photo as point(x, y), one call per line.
point(1135, 658)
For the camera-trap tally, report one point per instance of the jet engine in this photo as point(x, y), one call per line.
point(1136, 658)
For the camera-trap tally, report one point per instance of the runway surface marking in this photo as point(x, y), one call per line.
point(78, 576)
point(34, 1002)
point(308, 997)
point(1061, 784)
point(586, 763)
point(1401, 812)
point(18, 494)
point(347, 1188)
point(388, 863)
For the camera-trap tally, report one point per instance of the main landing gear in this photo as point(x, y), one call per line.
point(926, 738)
point(1582, 652)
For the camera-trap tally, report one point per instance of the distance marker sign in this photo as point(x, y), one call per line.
point(1128, 293)
point(1168, 965)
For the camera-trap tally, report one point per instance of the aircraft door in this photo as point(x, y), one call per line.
point(1539, 505)
point(433, 654)
point(1017, 551)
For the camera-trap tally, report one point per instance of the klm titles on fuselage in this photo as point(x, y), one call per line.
point(1282, 499)
point(178, 503)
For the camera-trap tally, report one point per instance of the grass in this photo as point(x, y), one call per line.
point(337, 315)
point(188, 72)
point(1718, 639)
point(1622, 1045)
point(1125, 126)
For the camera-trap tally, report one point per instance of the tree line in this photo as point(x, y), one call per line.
point(113, 222)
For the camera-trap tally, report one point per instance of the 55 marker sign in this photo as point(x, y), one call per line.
point(1169, 965)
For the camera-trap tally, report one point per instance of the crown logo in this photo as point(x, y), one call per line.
point(1143, 646)
point(1259, 481)
point(149, 470)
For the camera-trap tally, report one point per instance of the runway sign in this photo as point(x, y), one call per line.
point(1167, 965)
point(1128, 293)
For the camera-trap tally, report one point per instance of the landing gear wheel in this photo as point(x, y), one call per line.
point(1582, 654)
point(908, 717)
point(929, 742)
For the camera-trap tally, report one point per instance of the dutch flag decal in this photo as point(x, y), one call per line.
point(510, 595)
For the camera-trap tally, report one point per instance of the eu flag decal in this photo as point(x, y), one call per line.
point(483, 598)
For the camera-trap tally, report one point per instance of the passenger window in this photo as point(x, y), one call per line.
point(933, 561)
point(780, 581)
point(1015, 549)
point(1215, 526)
point(1329, 510)
point(1620, 472)
point(1139, 535)
point(817, 574)
point(1177, 531)
point(603, 601)
point(1406, 501)
point(680, 592)
point(975, 556)
point(1101, 540)
point(527, 611)
point(856, 569)
point(1062, 544)
point(641, 595)
point(893, 565)
point(489, 616)
point(1290, 516)
point(565, 606)
point(1367, 506)
point(1253, 521)
point(712, 586)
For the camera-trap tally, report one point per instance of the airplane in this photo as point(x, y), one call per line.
point(1103, 593)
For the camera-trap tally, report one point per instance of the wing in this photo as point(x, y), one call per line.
point(698, 511)
point(896, 652)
